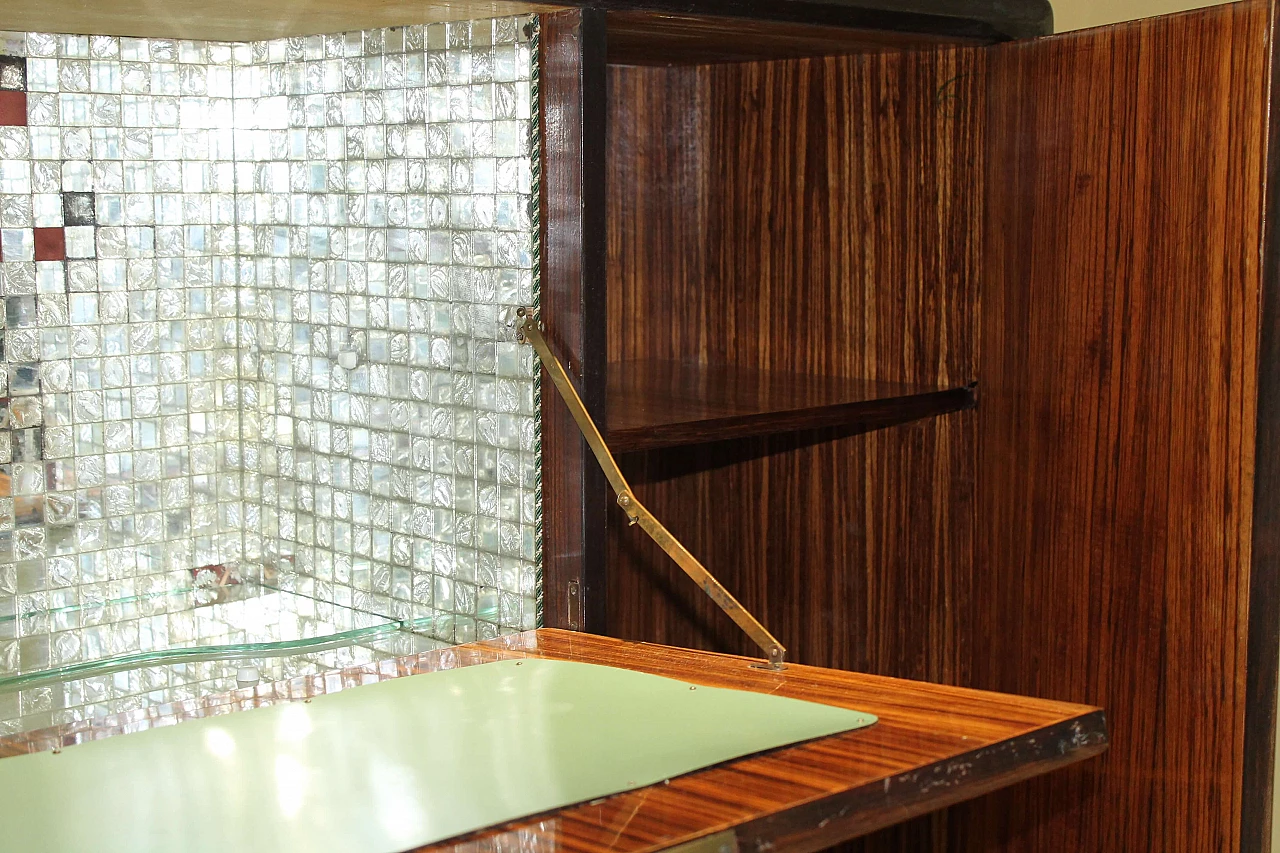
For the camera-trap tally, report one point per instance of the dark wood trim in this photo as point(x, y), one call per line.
point(573, 303)
point(1263, 659)
point(860, 811)
point(595, 93)
point(656, 38)
point(988, 21)
point(250, 20)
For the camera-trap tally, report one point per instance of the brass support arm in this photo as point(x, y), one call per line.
point(530, 332)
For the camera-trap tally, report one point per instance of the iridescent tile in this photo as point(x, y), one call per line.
point(57, 442)
point(61, 509)
point(27, 412)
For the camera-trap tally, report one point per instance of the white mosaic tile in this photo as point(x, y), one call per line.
point(256, 301)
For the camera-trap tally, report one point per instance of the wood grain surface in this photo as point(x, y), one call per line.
point(843, 247)
point(573, 97)
point(932, 746)
point(984, 20)
point(1119, 368)
point(656, 404)
point(1077, 224)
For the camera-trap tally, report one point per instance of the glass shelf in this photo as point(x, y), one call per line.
point(237, 621)
point(111, 660)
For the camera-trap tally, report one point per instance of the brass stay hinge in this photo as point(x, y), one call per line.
point(531, 332)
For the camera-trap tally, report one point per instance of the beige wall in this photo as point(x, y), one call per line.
point(1080, 14)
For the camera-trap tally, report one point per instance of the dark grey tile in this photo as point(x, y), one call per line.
point(77, 209)
point(27, 445)
point(20, 312)
point(13, 73)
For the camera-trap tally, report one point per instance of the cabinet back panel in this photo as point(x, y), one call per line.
point(810, 216)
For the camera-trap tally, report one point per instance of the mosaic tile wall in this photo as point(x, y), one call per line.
point(117, 268)
point(391, 463)
point(255, 304)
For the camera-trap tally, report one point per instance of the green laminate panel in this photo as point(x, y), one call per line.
point(393, 765)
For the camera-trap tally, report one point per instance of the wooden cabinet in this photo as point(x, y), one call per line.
point(785, 275)
point(953, 351)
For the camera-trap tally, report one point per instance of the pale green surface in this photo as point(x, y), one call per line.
point(392, 765)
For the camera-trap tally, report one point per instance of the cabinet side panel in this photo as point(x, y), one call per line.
point(814, 216)
point(572, 61)
point(1116, 429)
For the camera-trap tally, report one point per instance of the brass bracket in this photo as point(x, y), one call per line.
point(530, 332)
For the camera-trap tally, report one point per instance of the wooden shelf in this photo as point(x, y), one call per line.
point(654, 404)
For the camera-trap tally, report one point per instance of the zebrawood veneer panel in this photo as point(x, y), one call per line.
point(1125, 181)
point(845, 247)
point(1107, 190)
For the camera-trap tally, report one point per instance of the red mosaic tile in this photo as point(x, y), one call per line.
point(13, 108)
point(51, 244)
